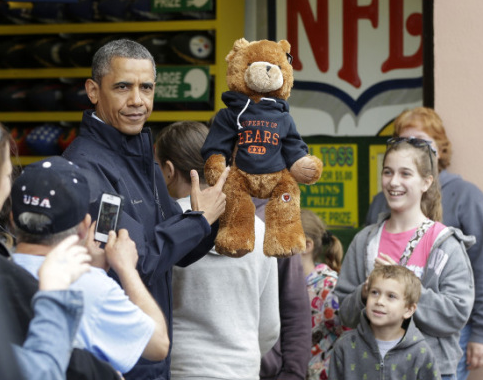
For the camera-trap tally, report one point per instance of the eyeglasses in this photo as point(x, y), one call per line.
point(418, 143)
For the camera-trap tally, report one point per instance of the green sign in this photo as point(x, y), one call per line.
point(326, 195)
point(181, 5)
point(334, 196)
point(182, 84)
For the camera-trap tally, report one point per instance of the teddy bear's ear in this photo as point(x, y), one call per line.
point(238, 45)
point(285, 45)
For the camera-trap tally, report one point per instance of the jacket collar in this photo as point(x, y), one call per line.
point(411, 336)
point(109, 137)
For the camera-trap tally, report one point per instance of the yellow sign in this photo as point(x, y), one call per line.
point(335, 196)
point(376, 155)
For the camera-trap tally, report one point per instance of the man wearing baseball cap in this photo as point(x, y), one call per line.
point(50, 200)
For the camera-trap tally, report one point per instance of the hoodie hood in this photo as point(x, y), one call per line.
point(466, 240)
point(240, 102)
point(411, 337)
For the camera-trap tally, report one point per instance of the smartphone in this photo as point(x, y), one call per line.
point(108, 217)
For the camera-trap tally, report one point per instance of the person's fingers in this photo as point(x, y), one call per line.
point(471, 360)
point(123, 234)
point(195, 190)
point(92, 230)
point(474, 355)
point(221, 181)
point(111, 240)
point(195, 180)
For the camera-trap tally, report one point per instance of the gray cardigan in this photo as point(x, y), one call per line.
point(447, 289)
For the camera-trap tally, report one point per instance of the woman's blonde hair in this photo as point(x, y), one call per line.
point(428, 121)
point(327, 247)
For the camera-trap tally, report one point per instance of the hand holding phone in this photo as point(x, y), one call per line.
point(108, 217)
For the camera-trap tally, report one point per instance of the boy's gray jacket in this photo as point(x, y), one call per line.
point(356, 355)
point(447, 293)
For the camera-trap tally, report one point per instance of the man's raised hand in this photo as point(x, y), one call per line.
point(210, 200)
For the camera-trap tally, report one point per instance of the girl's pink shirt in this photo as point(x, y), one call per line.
point(394, 244)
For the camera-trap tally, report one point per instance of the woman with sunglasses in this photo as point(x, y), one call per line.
point(462, 204)
point(411, 235)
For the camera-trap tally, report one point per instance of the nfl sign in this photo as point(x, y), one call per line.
point(357, 63)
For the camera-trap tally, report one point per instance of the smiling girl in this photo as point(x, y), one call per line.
point(411, 235)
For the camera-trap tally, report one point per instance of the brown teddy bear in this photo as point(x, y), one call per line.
point(258, 137)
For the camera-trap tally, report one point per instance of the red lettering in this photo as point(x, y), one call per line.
point(275, 139)
point(248, 137)
point(414, 25)
point(317, 31)
point(240, 139)
point(350, 36)
point(266, 137)
point(258, 137)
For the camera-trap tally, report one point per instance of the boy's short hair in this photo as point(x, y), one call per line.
point(412, 284)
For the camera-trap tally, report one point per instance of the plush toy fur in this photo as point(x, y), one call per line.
point(260, 73)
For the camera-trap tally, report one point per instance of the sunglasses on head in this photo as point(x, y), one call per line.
point(418, 143)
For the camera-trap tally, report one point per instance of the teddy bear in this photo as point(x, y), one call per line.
point(256, 135)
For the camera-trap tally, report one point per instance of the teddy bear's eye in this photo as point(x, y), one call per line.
point(280, 67)
point(249, 64)
point(289, 58)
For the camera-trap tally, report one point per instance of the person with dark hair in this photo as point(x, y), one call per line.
point(225, 338)
point(321, 262)
point(117, 151)
point(462, 204)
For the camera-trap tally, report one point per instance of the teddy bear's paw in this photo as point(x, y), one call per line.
point(231, 253)
point(286, 245)
point(307, 170)
point(233, 243)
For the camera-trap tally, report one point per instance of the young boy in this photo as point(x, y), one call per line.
point(386, 343)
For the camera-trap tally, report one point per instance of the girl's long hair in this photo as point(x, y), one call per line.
point(425, 161)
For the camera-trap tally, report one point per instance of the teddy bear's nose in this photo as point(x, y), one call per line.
point(268, 68)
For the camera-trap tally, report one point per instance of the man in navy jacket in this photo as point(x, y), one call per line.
point(118, 152)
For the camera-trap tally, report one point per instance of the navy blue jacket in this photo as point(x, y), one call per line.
point(265, 134)
point(164, 236)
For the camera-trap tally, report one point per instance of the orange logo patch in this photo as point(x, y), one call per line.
point(257, 149)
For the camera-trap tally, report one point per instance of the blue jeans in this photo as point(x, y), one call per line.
point(448, 377)
point(462, 372)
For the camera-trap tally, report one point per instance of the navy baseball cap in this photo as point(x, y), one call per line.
point(54, 187)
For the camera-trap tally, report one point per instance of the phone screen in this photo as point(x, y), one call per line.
point(107, 218)
point(109, 212)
